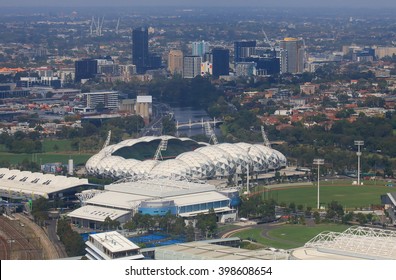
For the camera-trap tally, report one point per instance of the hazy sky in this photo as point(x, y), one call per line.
point(194, 3)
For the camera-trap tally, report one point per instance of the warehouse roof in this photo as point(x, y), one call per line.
point(97, 213)
point(22, 183)
point(160, 187)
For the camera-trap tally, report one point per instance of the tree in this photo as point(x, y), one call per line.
point(39, 212)
point(74, 244)
point(130, 225)
point(168, 126)
point(207, 223)
point(361, 218)
point(347, 218)
point(316, 216)
point(190, 232)
point(110, 224)
point(335, 211)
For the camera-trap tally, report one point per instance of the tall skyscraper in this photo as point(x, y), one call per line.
point(243, 50)
point(191, 66)
point(220, 62)
point(292, 55)
point(85, 69)
point(175, 62)
point(266, 65)
point(140, 52)
point(199, 48)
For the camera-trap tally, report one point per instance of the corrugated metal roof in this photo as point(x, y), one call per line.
point(97, 213)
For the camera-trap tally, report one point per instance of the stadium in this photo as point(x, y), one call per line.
point(124, 198)
point(182, 158)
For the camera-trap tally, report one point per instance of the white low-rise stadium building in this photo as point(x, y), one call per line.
point(121, 200)
point(25, 185)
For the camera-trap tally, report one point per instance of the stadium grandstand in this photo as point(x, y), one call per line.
point(182, 158)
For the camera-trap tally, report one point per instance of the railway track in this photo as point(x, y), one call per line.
point(53, 249)
point(4, 253)
point(19, 246)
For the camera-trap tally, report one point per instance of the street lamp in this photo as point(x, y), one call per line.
point(318, 161)
point(359, 143)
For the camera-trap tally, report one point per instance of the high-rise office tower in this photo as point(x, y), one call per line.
point(140, 52)
point(108, 99)
point(292, 55)
point(220, 62)
point(243, 50)
point(199, 48)
point(266, 65)
point(175, 62)
point(191, 66)
point(85, 69)
point(245, 69)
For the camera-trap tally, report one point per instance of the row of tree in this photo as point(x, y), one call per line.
point(174, 225)
point(74, 243)
point(257, 207)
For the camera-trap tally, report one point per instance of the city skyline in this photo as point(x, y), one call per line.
point(203, 3)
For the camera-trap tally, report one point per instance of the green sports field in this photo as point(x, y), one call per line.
point(53, 151)
point(45, 157)
point(287, 236)
point(350, 196)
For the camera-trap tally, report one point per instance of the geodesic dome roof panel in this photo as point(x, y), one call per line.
point(241, 158)
point(92, 163)
point(144, 167)
point(110, 166)
point(126, 168)
point(271, 158)
point(258, 158)
point(282, 158)
point(200, 165)
point(223, 161)
point(172, 168)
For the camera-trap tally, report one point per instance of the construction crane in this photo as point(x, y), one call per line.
point(163, 145)
point(265, 138)
point(118, 25)
point(97, 25)
point(210, 133)
point(267, 40)
point(101, 26)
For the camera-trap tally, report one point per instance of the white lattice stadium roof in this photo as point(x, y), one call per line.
point(203, 163)
point(357, 243)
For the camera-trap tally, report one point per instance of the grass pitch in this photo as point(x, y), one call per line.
point(288, 236)
point(350, 196)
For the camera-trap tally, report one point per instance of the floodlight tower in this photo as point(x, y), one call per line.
point(359, 143)
point(318, 161)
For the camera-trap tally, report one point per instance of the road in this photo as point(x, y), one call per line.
point(154, 128)
point(53, 237)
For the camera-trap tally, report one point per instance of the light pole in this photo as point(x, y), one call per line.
point(318, 161)
point(359, 143)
